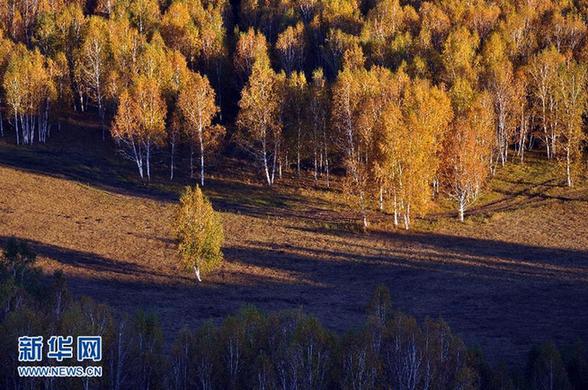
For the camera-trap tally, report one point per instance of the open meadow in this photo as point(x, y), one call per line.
point(294, 194)
point(513, 275)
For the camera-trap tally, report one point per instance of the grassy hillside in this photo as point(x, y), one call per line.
point(514, 274)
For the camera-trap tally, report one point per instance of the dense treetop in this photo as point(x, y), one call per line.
point(411, 99)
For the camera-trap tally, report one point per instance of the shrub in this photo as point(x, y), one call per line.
point(18, 258)
point(200, 232)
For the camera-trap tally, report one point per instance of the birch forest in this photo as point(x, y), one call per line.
point(409, 101)
point(399, 186)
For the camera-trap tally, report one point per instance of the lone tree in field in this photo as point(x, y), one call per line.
point(200, 233)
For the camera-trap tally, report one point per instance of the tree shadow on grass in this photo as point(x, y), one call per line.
point(95, 168)
point(534, 195)
point(104, 170)
point(546, 258)
point(442, 253)
point(503, 296)
point(94, 263)
point(503, 307)
point(505, 311)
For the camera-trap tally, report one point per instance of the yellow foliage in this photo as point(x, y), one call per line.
point(200, 232)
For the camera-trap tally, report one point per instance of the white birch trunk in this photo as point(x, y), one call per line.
point(148, 159)
point(395, 210)
point(16, 128)
point(265, 164)
point(568, 167)
point(200, 138)
point(173, 147)
point(461, 208)
point(197, 273)
point(298, 152)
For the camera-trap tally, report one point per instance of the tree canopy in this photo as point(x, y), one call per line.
point(386, 91)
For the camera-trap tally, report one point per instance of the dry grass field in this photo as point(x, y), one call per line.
point(516, 273)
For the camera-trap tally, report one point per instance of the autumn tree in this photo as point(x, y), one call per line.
point(69, 23)
point(179, 73)
point(44, 34)
point(179, 30)
point(459, 56)
point(435, 26)
point(385, 22)
point(94, 62)
point(29, 91)
point(139, 122)
point(410, 144)
point(290, 48)
point(319, 114)
point(523, 112)
point(468, 147)
point(346, 107)
point(126, 45)
point(143, 14)
point(296, 115)
point(152, 111)
point(156, 61)
point(543, 70)
point(209, 19)
point(571, 94)
point(265, 16)
point(197, 29)
point(306, 9)
point(337, 43)
point(259, 117)
point(565, 30)
point(20, 19)
point(104, 7)
point(197, 108)
point(505, 93)
point(251, 46)
point(344, 15)
point(174, 131)
point(6, 47)
point(125, 128)
point(357, 102)
point(200, 233)
point(213, 19)
point(61, 76)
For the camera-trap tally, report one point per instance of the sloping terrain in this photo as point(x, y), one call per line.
point(514, 274)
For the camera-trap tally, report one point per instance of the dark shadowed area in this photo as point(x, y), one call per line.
point(515, 274)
